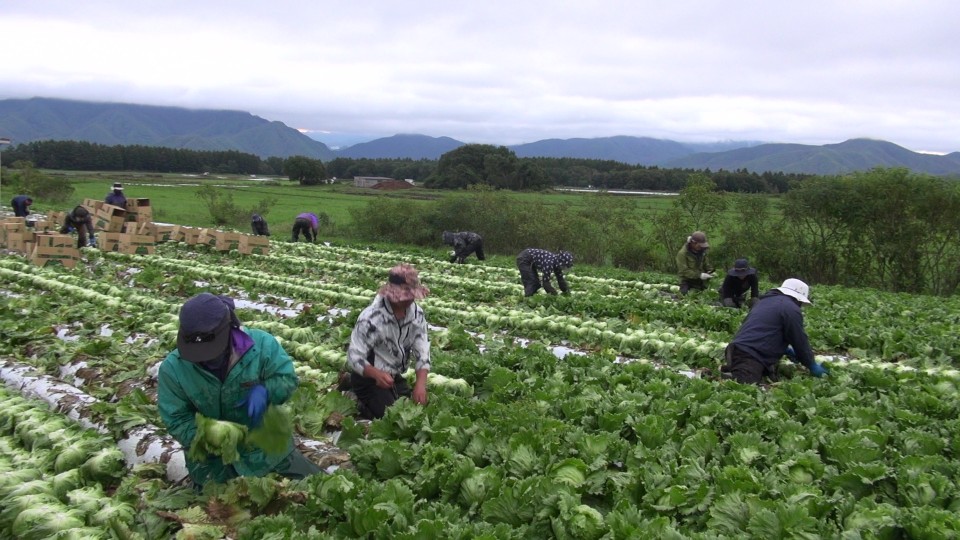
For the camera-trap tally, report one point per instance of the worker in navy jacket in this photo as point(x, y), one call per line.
point(464, 243)
point(773, 329)
point(21, 205)
point(536, 267)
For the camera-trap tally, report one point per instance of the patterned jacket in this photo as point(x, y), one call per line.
point(547, 263)
point(380, 339)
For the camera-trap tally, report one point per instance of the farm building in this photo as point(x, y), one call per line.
point(368, 181)
point(381, 182)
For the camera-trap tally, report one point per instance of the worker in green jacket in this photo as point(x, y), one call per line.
point(693, 268)
point(226, 372)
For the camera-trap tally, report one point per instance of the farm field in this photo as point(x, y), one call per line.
point(593, 415)
point(174, 200)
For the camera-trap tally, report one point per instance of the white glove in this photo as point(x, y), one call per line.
point(705, 276)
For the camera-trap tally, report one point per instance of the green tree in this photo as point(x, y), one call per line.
point(22, 177)
point(305, 170)
point(224, 211)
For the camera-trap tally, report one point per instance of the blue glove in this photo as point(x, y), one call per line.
point(817, 370)
point(790, 353)
point(256, 404)
point(92, 242)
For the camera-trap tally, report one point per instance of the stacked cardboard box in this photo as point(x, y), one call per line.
point(161, 232)
point(139, 211)
point(250, 245)
point(220, 240)
point(137, 244)
point(15, 235)
point(109, 241)
point(54, 240)
point(55, 249)
point(109, 218)
point(189, 235)
point(93, 205)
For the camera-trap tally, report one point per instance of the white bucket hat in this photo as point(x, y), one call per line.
point(797, 289)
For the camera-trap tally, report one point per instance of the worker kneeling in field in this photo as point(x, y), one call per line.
point(742, 278)
point(693, 268)
point(388, 332)
point(464, 243)
point(772, 329)
point(226, 372)
point(534, 263)
point(80, 220)
point(259, 225)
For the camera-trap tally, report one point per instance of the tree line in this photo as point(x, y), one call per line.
point(888, 229)
point(469, 165)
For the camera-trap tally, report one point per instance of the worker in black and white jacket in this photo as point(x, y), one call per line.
point(535, 264)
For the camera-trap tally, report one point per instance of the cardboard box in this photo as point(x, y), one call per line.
point(137, 244)
point(139, 211)
point(54, 240)
point(161, 232)
point(14, 224)
point(254, 245)
point(109, 241)
point(109, 218)
point(57, 217)
point(45, 225)
point(219, 240)
point(190, 235)
point(63, 255)
point(93, 205)
point(21, 242)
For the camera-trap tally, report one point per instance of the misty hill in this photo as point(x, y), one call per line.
point(38, 119)
point(27, 120)
point(402, 146)
point(633, 150)
point(845, 157)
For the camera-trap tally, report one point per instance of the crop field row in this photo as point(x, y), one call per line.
point(632, 437)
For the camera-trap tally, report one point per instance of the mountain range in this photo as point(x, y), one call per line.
point(34, 119)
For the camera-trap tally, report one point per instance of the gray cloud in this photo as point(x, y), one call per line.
point(510, 72)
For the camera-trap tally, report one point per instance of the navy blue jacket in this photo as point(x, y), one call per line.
point(774, 322)
point(20, 207)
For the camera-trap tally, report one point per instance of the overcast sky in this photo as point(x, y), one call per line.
point(509, 72)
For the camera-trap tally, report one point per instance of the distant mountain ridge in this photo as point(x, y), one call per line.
point(36, 119)
point(26, 120)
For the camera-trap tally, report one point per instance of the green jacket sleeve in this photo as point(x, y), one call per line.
point(176, 410)
point(276, 372)
point(687, 266)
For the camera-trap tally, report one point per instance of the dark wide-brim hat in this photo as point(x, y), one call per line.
point(741, 268)
point(403, 285)
point(205, 322)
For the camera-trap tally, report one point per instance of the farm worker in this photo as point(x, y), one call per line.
point(388, 333)
point(116, 197)
point(692, 266)
point(21, 205)
point(772, 329)
point(740, 279)
point(464, 243)
point(307, 223)
point(79, 219)
point(226, 372)
point(534, 263)
point(259, 225)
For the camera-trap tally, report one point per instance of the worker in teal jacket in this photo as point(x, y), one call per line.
point(226, 372)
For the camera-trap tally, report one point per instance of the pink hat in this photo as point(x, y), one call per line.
point(403, 285)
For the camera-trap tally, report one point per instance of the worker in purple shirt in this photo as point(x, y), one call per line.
point(306, 223)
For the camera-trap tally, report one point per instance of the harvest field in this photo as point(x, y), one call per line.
point(168, 194)
point(594, 415)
